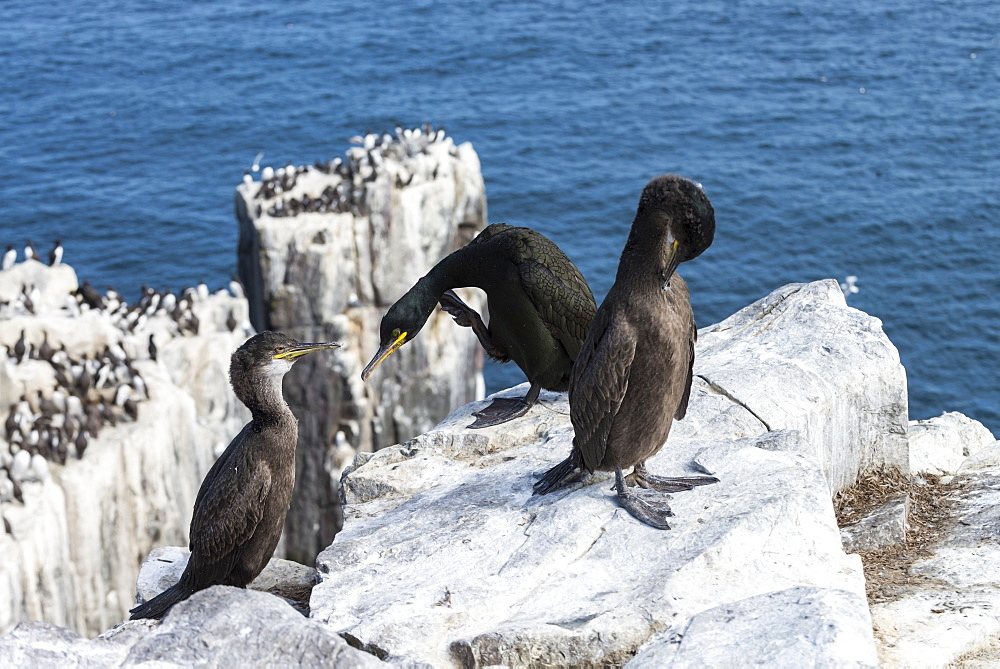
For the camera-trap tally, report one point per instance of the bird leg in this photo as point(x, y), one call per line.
point(468, 317)
point(643, 505)
point(505, 409)
point(556, 477)
point(641, 477)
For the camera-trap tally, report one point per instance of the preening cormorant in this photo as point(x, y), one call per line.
point(242, 503)
point(633, 375)
point(540, 307)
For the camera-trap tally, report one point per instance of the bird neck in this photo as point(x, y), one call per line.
point(416, 306)
point(642, 258)
point(446, 275)
point(454, 271)
point(263, 398)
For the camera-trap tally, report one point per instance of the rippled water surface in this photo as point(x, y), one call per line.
point(833, 139)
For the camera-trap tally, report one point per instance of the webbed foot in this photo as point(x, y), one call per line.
point(457, 309)
point(641, 477)
point(649, 508)
point(502, 410)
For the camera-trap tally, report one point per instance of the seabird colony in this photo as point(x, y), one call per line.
point(285, 192)
point(90, 390)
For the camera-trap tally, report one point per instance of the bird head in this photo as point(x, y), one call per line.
point(682, 217)
point(272, 353)
point(400, 324)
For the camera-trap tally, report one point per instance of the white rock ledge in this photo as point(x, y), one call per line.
point(218, 627)
point(447, 559)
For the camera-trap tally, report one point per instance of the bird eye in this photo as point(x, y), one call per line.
point(396, 333)
point(279, 348)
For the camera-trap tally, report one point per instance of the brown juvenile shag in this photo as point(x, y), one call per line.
point(633, 375)
point(540, 307)
point(242, 503)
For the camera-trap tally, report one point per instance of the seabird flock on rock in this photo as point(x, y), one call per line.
point(91, 389)
point(283, 196)
point(627, 365)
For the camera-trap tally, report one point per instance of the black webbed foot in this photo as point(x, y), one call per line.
point(502, 410)
point(468, 317)
point(649, 508)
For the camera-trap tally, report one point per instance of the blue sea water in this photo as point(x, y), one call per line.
point(859, 137)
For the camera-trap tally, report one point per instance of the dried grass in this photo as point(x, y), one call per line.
point(932, 505)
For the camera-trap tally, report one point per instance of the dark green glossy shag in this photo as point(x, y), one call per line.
point(540, 307)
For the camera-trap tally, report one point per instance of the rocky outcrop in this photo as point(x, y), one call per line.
point(324, 250)
point(842, 388)
point(941, 445)
point(82, 516)
point(446, 557)
point(219, 627)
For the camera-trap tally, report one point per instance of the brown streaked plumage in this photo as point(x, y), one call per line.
point(540, 307)
point(633, 375)
point(242, 503)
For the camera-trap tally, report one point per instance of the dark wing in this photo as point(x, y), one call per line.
point(598, 384)
point(489, 232)
point(555, 286)
point(683, 406)
point(226, 515)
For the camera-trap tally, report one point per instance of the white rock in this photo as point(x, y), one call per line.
point(218, 627)
point(939, 445)
point(850, 388)
point(52, 283)
point(797, 627)
point(882, 527)
point(446, 557)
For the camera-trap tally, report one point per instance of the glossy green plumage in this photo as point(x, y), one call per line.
point(539, 303)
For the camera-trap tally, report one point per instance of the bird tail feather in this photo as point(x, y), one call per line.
point(555, 477)
point(158, 606)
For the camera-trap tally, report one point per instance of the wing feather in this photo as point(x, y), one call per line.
point(553, 283)
point(683, 405)
point(228, 511)
point(598, 384)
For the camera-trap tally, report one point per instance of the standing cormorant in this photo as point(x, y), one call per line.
point(539, 304)
point(242, 503)
point(633, 375)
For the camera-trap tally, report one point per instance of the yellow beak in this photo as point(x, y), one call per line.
point(293, 353)
point(383, 353)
